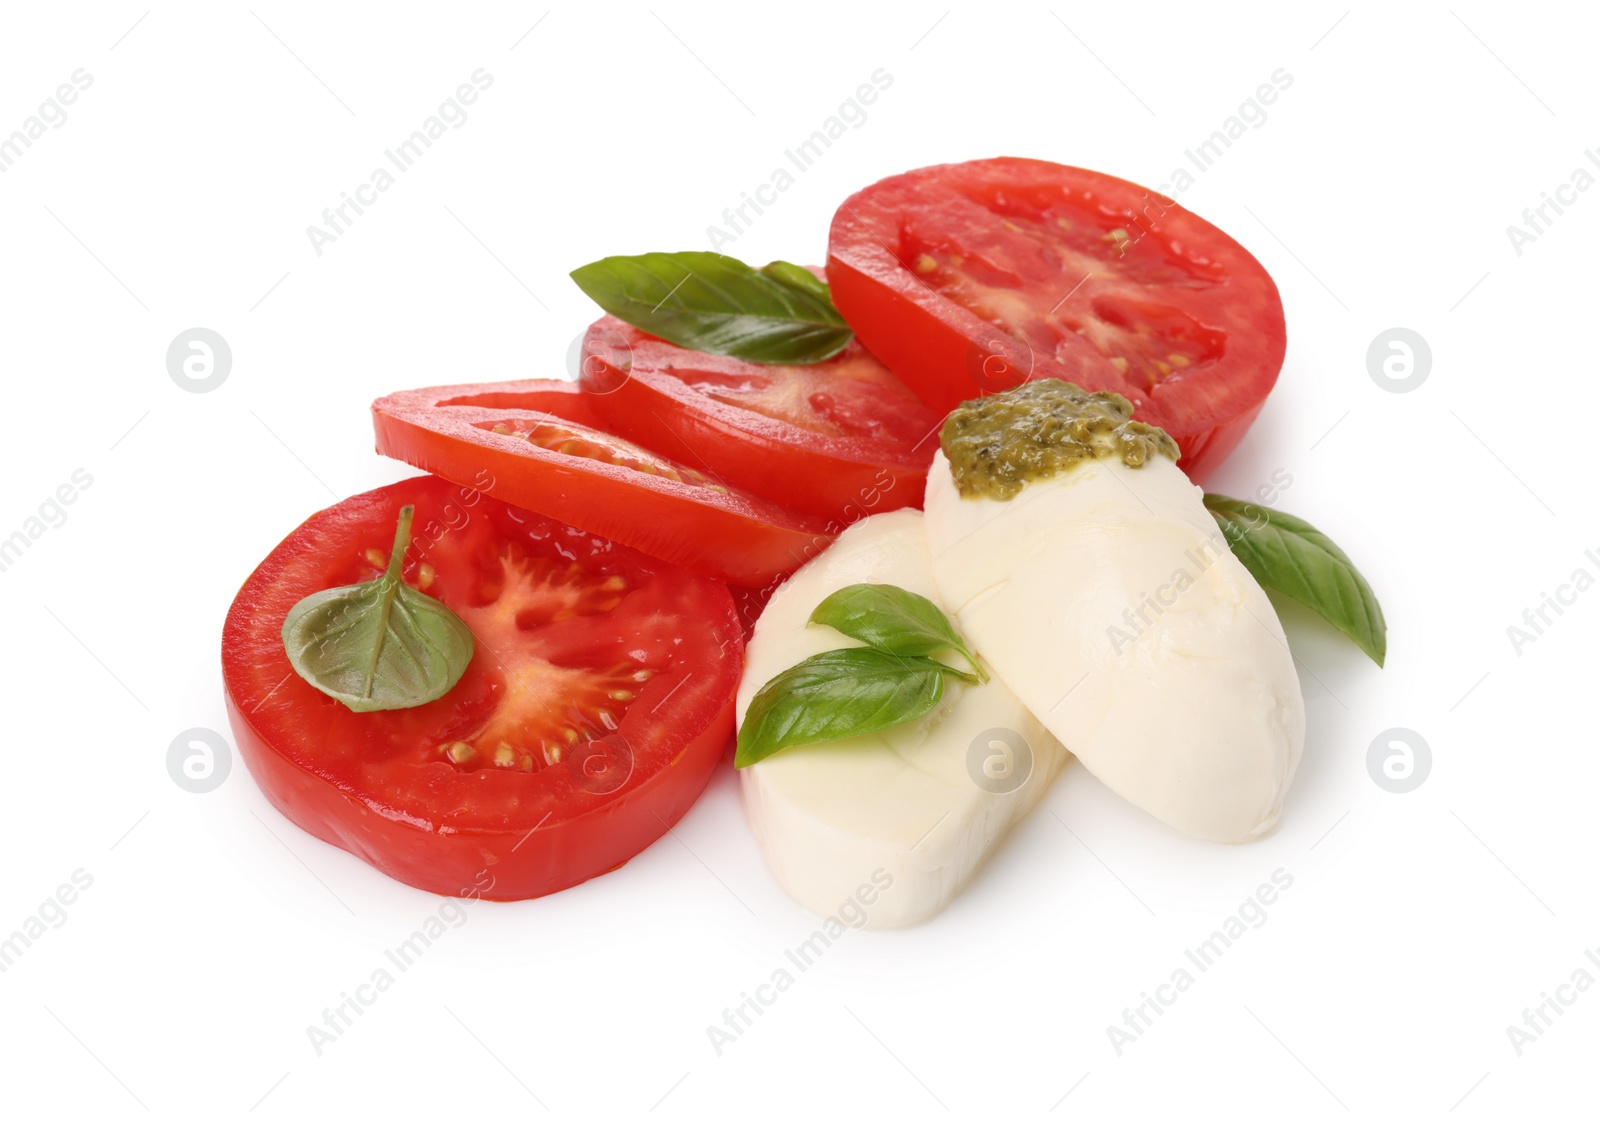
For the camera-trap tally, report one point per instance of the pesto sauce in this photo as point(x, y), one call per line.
point(996, 444)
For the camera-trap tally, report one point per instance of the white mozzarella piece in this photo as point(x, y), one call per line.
point(901, 807)
point(1108, 601)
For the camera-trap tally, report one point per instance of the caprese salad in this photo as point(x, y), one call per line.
point(909, 533)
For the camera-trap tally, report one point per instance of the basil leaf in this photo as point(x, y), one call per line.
point(709, 302)
point(798, 276)
point(838, 694)
point(1291, 556)
point(892, 620)
point(380, 644)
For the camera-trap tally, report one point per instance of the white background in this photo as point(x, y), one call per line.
point(1378, 192)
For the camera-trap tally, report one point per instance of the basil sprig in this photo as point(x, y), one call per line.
point(781, 314)
point(858, 690)
point(380, 644)
point(1291, 556)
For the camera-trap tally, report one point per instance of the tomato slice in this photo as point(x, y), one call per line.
point(598, 700)
point(537, 444)
point(840, 439)
point(971, 278)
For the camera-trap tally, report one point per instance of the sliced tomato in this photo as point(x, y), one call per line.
point(537, 444)
point(598, 700)
point(971, 278)
point(840, 439)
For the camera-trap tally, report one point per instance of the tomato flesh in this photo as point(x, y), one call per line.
point(538, 444)
point(838, 439)
point(596, 705)
point(970, 278)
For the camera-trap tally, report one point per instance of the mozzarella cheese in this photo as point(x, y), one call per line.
point(1108, 601)
point(911, 811)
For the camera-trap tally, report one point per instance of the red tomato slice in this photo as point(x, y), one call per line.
point(971, 278)
point(537, 444)
point(598, 700)
point(840, 439)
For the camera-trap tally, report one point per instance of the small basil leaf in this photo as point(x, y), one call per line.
point(891, 620)
point(380, 644)
point(719, 305)
point(835, 695)
point(1291, 556)
point(798, 276)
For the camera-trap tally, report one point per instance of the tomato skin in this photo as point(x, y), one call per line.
point(947, 352)
point(370, 782)
point(488, 865)
point(732, 536)
point(632, 380)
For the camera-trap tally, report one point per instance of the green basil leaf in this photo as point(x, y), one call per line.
point(892, 620)
point(838, 694)
point(380, 644)
point(717, 304)
point(798, 276)
point(1291, 556)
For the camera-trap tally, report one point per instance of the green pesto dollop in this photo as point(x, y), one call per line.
point(997, 444)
